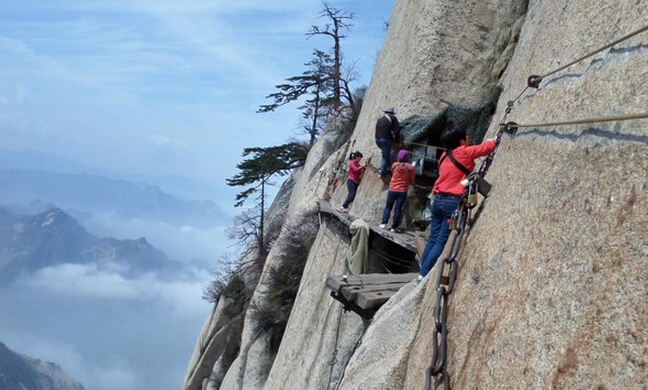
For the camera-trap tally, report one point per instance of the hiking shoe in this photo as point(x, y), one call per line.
point(383, 226)
point(396, 230)
point(343, 210)
point(417, 281)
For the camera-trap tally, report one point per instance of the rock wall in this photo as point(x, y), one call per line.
point(552, 287)
point(551, 290)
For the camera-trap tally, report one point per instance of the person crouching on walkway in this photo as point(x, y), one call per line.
point(402, 177)
point(458, 159)
point(355, 174)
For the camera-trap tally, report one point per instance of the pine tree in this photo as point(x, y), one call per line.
point(257, 171)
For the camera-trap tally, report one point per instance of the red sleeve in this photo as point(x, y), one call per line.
point(355, 167)
point(481, 150)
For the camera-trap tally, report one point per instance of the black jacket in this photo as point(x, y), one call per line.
point(388, 127)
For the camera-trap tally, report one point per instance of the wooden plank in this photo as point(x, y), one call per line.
point(369, 279)
point(403, 239)
point(367, 314)
point(372, 299)
point(350, 292)
point(335, 283)
point(367, 291)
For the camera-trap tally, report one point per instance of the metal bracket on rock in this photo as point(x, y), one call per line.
point(534, 81)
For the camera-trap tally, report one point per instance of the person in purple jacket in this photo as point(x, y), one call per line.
point(402, 177)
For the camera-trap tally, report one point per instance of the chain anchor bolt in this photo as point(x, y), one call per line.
point(511, 128)
point(534, 81)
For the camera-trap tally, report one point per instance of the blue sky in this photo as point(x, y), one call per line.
point(150, 87)
point(162, 87)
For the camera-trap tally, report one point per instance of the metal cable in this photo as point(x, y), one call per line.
point(626, 37)
point(513, 125)
point(355, 348)
point(391, 259)
point(334, 359)
point(534, 81)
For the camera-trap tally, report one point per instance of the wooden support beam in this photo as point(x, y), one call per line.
point(368, 291)
point(376, 298)
point(336, 282)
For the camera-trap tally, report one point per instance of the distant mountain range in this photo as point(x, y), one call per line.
point(96, 194)
point(29, 243)
point(30, 177)
point(30, 160)
point(20, 372)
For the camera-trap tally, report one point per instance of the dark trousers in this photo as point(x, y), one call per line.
point(443, 207)
point(385, 145)
point(397, 198)
point(352, 187)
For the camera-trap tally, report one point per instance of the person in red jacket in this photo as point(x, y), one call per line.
point(402, 177)
point(355, 174)
point(458, 158)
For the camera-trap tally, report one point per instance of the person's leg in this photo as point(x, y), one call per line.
point(442, 210)
point(352, 187)
point(435, 225)
point(385, 146)
point(400, 201)
point(391, 198)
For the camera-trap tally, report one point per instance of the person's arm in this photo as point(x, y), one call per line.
point(355, 167)
point(481, 150)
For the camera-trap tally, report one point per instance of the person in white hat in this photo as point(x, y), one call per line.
point(387, 133)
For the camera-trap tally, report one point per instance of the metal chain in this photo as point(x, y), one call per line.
point(447, 275)
point(444, 285)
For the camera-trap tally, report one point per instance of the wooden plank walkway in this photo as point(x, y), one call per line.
point(406, 239)
point(365, 293)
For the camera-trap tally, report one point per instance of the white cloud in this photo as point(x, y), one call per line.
point(106, 330)
point(105, 281)
point(88, 280)
point(184, 243)
point(102, 76)
point(92, 81)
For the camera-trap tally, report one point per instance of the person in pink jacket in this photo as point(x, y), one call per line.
point(402, 177)
point(355, 174)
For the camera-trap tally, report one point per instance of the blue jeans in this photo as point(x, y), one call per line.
point(442, 209)
point(399, 199)
point(385, 145)
point(352, 187)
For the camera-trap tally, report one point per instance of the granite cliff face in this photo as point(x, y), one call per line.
point(551, 286)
